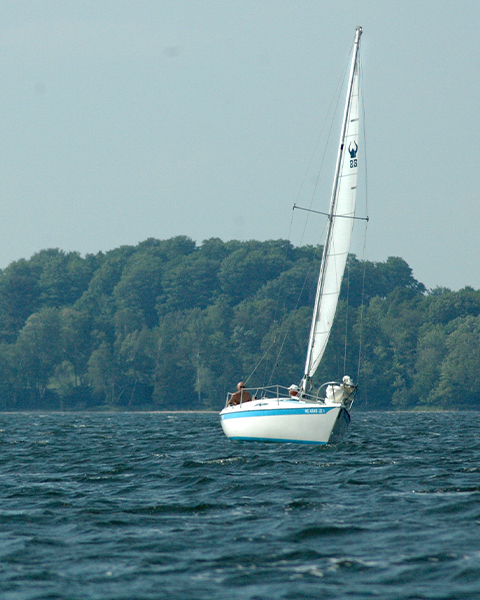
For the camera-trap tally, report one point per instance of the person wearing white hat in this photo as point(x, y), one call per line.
point(293, 390)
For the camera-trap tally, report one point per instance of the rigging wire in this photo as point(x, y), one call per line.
point(362, 304)
point(277, 320)
point(261, 359)
point(284, 339)
point(335, 102)
point(346, 321)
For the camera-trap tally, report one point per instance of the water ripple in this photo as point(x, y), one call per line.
point(153, 506)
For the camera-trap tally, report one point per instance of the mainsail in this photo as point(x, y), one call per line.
point(341, 217)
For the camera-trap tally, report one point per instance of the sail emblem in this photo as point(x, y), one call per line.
point(353, 151)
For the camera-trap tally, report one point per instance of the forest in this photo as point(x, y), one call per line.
point(172, 325)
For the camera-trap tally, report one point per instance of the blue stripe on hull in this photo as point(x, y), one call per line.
point(277, 411)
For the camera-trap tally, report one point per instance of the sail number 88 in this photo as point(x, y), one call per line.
point(353, 163)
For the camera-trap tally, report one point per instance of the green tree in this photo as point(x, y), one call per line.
point(37, 352)
point(104, 375)
point(19, 297)
point(138, 354)
point(140, 286)
point(98, 300)
point(64, 277)
point(431, 352)
point(247, 269)
point(175, 376)
point(445, 306)
point(69, 379)
point(457, 385)
point(192, 283)
point(9, 384)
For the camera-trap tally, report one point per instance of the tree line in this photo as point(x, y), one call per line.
point(169, 324)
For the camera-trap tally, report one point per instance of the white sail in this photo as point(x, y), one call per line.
point(341, 217)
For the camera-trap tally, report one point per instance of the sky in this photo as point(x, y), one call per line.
point(123, 120)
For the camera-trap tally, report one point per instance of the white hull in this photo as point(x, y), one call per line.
point(285, 420)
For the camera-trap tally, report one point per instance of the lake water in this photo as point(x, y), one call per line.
point(153, 506)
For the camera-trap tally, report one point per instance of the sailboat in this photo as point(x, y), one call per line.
point(301, 414)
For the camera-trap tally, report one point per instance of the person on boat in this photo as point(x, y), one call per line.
point(293, 390)
point(240, 396)
point(337, 392)
point(348, 386)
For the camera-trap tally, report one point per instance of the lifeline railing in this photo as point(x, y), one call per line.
point(280, 392)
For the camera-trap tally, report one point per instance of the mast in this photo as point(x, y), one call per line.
point(337, 242)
